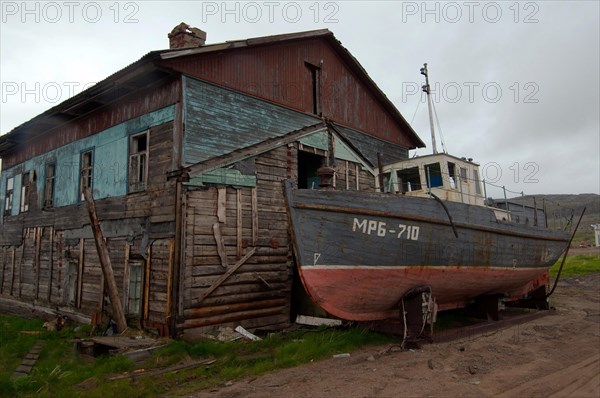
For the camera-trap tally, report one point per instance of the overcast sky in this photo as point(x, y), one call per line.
point(515, 84)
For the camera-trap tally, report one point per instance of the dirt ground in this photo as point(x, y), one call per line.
point(557, 355)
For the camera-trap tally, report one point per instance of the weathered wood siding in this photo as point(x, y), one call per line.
point(142, 103)
point(279, 73)
point(49, 258)
point(218, 120)
point(258, 294)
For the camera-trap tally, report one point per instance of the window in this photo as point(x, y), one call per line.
point(476, 178)
point(25, 188)
point(409, 179)
point(452, 174)
point(138, 162)
point(8, 201)
point(433, 174)
point(134, 298)
point(463, 173)
point(85, 172)
point(49, 185)
point(308, 164)
point(315, 75)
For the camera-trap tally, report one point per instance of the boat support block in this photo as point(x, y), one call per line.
point(417, 312)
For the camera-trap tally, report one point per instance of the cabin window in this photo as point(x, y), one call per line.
point(85, 172)
point(476, 178)
point(308, 164)
point(8, 200)
point(452, 174)
point(409, 179)
point(49, 185)
point(433, 174)
point(134, 295)
point(315, 80)
point(138, 162)
point(25, 189)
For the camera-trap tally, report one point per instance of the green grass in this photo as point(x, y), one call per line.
point(62, 372)
point(59, 367)
point(581, 264)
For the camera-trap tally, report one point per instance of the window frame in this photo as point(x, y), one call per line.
point(9, 196)
point(90, 171)
point(25, 192)
point(135, 182)
point(135, 287)
point(49, 186)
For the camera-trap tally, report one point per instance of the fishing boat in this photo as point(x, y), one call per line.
point(428, 232)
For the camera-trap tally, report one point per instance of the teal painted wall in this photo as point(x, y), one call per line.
point(219, 121)
point(110, 157)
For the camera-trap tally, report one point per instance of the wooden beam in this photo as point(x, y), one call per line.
point(80, 273)
point(220, 245)
point(51, 265)
point(126, 276)
point(226, 275)
point(254, 216)
point(147, 282)
point(36, 259)
point(169, 281)
point(3, 263)
point(21, 266)
point(222, 204)
point(12, 277)
point(238, 203)
point(102, 250)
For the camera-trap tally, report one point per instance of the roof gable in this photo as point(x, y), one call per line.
point(278, 69)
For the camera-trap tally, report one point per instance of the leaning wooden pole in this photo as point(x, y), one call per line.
point(107, 270)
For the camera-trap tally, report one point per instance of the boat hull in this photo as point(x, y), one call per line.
point(358, 253)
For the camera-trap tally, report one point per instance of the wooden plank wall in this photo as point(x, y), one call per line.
point(43, 280)
point(37, 247)
point(258, 294)
point(350, 176)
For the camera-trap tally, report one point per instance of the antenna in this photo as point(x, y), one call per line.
point(427, 90)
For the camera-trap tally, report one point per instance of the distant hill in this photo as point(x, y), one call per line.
point(562, 208)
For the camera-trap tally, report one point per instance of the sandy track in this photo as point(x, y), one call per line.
point(553, 356)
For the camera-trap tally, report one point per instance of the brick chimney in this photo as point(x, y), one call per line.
point(184, 36)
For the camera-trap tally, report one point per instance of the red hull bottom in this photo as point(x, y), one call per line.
point(374, 293)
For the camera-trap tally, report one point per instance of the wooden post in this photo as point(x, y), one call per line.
point(80, 273)
point(254, 216)
point(38, 246)
point(146, 307)
point(107, 270)
point(169, 282)
point(240, 250)
point(220, 244)
point(51, 265)
point(12, 276)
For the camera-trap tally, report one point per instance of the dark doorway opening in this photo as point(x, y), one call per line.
point(308, 164)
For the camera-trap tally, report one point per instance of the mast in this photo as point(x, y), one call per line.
point(427, 89)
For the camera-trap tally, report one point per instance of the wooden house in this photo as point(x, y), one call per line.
point(185, 151)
